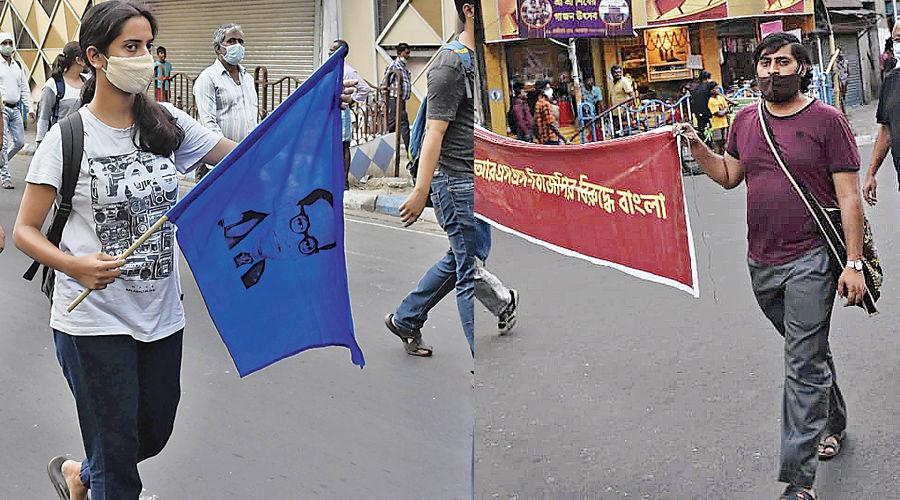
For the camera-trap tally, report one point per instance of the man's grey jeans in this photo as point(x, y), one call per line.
point(797, 297)
point(13, 138)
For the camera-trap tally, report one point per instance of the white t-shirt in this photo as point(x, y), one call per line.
point(70, 99)
point(120, 193)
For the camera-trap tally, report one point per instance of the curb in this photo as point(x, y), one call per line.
point(382, 203)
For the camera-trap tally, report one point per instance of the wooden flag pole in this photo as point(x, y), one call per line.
point(124, 255)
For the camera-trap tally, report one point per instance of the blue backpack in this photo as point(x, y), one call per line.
point(417, 133)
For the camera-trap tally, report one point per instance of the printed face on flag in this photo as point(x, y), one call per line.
point(264, 232)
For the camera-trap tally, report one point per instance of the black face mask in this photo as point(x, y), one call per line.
point(779, 88)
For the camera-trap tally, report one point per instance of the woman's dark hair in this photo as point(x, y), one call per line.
point(65, 60)
point(889, 45)
point(774, 42)
point(459, 8)
point(155, 129)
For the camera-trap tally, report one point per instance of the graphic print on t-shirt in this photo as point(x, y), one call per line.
point(129, 193)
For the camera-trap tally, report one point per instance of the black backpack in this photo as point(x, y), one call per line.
point(60, 94)
point(72, 130)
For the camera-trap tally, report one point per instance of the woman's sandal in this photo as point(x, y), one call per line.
point(793, 492)
point(830, 446)
point(412, 341)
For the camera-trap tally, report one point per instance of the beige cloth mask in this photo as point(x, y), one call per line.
point(130, 74)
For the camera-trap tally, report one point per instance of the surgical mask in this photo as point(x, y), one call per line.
point(548, 93)
point(234, 54)
point(7, 50)
point(896, 49)
point(779, 88)
point(131, 75)
point(402, 59)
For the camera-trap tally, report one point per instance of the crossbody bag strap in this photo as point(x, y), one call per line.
point(71, 130)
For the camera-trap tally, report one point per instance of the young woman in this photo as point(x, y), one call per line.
point(120, 349)
point(67, 70)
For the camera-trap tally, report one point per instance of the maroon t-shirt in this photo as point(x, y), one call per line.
point(814, 142)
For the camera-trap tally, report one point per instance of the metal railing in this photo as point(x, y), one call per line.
point(624, 120)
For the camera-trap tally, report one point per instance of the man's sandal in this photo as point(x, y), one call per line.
point(793, 492)
point(412, 340)
point(830, 446)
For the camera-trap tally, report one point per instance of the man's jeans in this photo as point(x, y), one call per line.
point(13, 138)
point(489, 290)
point(454, 208)
point(797, 297)
point(126, 393)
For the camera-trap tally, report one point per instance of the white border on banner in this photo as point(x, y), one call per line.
point(637, 273)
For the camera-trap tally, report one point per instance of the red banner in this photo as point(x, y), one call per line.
point(616, 203)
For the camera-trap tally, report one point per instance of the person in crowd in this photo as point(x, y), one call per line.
point(842, 72)
point(700, 101)
point(887, 60)
point(163, 70)
point(522, 122)
point(14, 85)
point(545, 120)
point(403, 94)
point(121, 349)
point(622, 90)
point(225, 93)
point(791, 271)
point(887, 115)
point(593, 95)
point(362, 93)
point(719, 107)
point(65, 75)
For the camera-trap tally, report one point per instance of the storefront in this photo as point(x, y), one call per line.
point(673, 41)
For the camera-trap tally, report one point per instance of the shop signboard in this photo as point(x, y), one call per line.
point(783, 6)
point(678, 11)
point(566, 18)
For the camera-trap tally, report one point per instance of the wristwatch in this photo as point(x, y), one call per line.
point(855, 264)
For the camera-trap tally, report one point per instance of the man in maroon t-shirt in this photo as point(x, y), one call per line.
point(791, 272)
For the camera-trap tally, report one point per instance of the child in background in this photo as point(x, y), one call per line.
point(163, 71)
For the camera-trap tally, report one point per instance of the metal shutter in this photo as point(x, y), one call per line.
point(278, 34)
point(850, 49)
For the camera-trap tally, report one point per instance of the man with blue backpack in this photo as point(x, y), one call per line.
point(445, 167)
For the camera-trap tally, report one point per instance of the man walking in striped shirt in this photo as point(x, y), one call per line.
point(225, 92)
point(390, 79)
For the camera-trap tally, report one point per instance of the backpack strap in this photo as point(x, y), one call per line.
point(465, 55)
point(60, 93)
point(72, 131)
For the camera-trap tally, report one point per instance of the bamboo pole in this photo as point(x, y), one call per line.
point(124, 255)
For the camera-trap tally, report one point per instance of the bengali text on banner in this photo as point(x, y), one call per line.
point(617, 203)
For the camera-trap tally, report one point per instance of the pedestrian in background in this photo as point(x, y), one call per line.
point(622, 89)
point(120, 350)
point(791, 271)
point(545, 119)
point(163, 70)
point(592, 95)
point(66, 76)
point(887, 115)
point(225, 93)
point(887, 60)
point(14, 84)
point(362, 93)
point(719, 106)
point(700, 102)
point(843, 74)
point(522, 120)
point(403, 94)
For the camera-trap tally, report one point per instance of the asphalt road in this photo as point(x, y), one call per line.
point(617, 388)
point(312, 426)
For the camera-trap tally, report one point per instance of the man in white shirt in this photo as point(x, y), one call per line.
point(359, 97)
point(225, 93)
point(14, 85)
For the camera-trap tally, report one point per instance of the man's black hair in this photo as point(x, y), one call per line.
point(774, 42)
point(459, 8)
point(402, 47)
point(342, 43)
point(160, 50)
point(615, 68)
point(704, 75)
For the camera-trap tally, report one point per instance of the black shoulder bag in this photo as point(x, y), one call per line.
point(828, 220)
point(72, 131)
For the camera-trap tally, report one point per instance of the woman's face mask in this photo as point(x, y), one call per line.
point(131, 75)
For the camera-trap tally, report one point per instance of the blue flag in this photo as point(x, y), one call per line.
point(263, 232)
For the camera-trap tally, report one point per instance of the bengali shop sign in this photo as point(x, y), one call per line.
point(615, 203)
point(574, 18)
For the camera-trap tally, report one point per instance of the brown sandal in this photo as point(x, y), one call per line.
point(830, 446)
